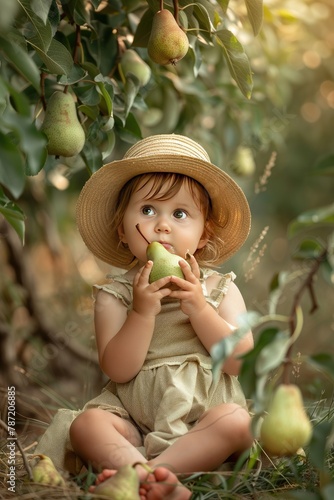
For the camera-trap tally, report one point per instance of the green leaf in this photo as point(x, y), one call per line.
point(248, 377)
point(318, 444)
point(54, 16)
point(309, 249)
point(88, 94)
point(202, 14)
point(12, 174)
point(129, 132)
point(223, 4)
point(107, 91)
point(18, 100)
point(108, 144)
point(92, 157)
point(237, 61)
point(255, 14)
point(76, 10)
point(131, 88)
point(41, 8)
point(91, 111)
point(328, 491)
point(40, 33)
point(323, 362)
point(323, 215)
point(31, 141)
point(143, 30)
point(21, 61)
point(325, 166)
point(273, 354)
point(13, 214)
point(57, 60)
point(76, 75)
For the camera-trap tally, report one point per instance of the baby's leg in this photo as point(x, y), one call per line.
point(222, 431)
point(105, 440)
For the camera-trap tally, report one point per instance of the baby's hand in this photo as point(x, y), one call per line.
point(189, 291)
point(147, 296)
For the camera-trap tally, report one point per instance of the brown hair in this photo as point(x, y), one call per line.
point(165, 186)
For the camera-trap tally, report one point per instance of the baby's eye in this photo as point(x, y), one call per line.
point(180, 214)
point(148, 210)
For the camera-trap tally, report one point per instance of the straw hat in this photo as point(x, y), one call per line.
point(159, 153)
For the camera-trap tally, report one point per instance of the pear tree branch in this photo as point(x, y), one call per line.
point(307, 285)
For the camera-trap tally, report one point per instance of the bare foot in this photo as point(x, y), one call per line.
point(105, 474)
point(163, 484)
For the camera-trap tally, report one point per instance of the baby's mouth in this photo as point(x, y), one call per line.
point(168, 246)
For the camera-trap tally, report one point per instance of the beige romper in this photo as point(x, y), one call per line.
point(170, 393)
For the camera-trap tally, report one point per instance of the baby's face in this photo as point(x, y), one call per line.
point(177, 222)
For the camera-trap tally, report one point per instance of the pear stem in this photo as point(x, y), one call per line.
point(176, 10)
point(161, 4)
point(139, 231)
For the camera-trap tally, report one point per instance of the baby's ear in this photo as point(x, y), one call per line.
point(207, 231)
point(121, 235)
point(203, 241)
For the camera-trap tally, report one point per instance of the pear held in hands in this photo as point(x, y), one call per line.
point(164, 262)
point(124, 485)
point(44, 472)
point(66, 137)
point(286, 427)
point(168, 43)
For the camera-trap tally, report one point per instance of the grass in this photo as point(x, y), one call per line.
point(258, 478)
point(254, 477)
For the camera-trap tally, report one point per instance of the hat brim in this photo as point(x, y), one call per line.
point(99, 195)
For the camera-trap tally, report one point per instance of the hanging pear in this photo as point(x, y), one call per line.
point(164, 262)
point(124, 485)
point(44, 472)
point(132, 63)
point(66, 137)
point(286, 428)
point(243, 163)
point(168, 43)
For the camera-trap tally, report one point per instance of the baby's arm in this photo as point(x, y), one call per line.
point(123, 338)
point(209, 326)
point(212, 327)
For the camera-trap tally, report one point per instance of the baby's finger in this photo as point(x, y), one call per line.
point(188, 271)
point(143, 273)
point(160, 283)
point(194, 266)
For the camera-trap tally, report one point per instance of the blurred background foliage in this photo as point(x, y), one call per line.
point(256, 89)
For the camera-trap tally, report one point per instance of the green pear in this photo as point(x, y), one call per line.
point(44, 472)
point(164, 262)
point(286, 428)
point(124, 485)
point(243, 164)
point(132, 63)
point(66, 137)
point(168, 43)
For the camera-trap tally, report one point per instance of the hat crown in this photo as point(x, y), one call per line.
point(167, 144)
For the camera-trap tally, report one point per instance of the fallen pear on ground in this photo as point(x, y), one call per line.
point(44, 472)
point(286, 428)
point(124, 485)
